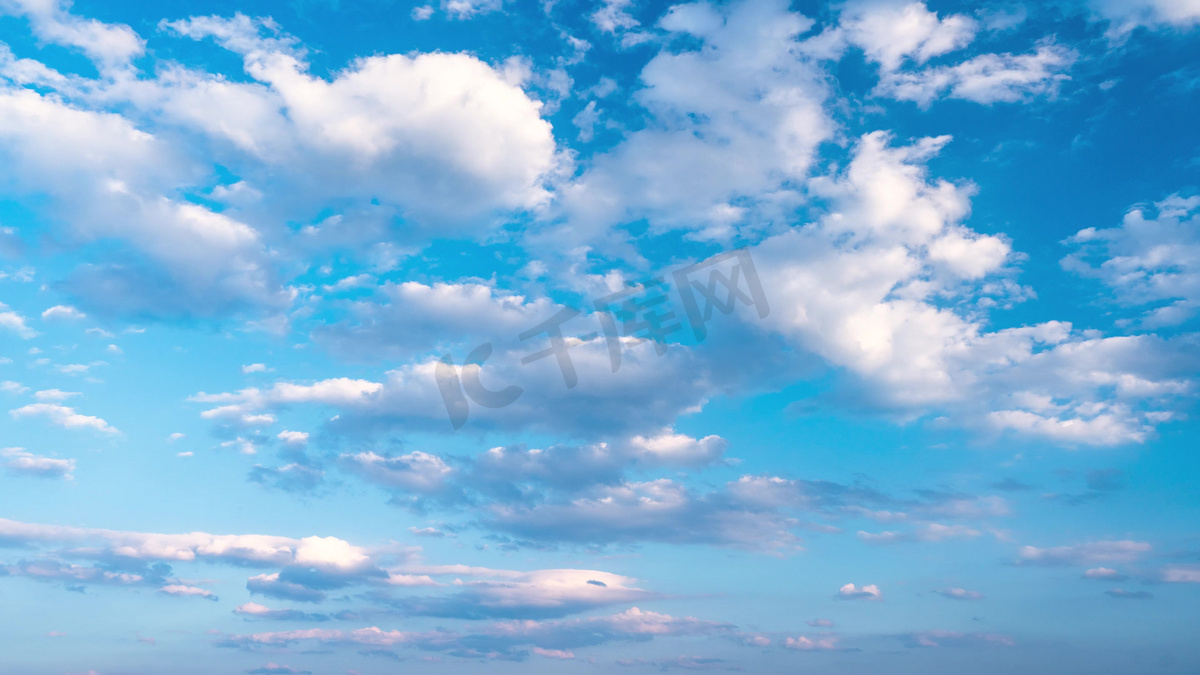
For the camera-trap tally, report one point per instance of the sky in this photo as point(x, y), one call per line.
point(578, 336)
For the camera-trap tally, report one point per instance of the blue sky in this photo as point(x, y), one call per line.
point(354, 337)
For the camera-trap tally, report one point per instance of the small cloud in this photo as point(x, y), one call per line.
point(54, 395)
point(63, 312)
point(10, 387)
point(185, 454)
point(1104, 573)
point(1181, 574)
point(18, 460)
point(293, 437)
point(276, 669)
point(187, 591)
point(16, 323)
point(852, 592)
point(597, 583)
point(1128, 595)
point(422, 13)
point(553, 653)
point(63, 416)
point(256, 368)
point(175, 436)
point(807, 644)
point(113, 349)
point(960, 594)
point(820, 623)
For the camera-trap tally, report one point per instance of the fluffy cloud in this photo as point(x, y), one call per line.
point(949, 638)
point(415, 472)
point(18, 460)
point(866, 287)
point(852, 592)
point(926, 532)
point(63, 416)
point(14, 322)
point(112, 180)
point(1124, 551)
point(109, 45)
point(446, 136)
point(807, 644)
point(960, 594)
point(659, 510)
point(62, 312)
point(188, 591)
point(413, 318)
point(986, 79)
point(1181, 574)
point(891, 32)
point(672, 449)
point(1147, 262)
point(737, 117)
point(327, 554)
point(647, 393)
point(1105, 573)
point(502, 639)
point(257, 611)
point(1126, 15)
point(509, 594)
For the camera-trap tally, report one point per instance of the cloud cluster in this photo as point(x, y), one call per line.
point(1147, 262)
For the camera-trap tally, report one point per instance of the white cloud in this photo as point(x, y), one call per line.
point(109, 45)
point(62, 312)
point(187, 591)
point(1103, 573)
point(946, 638)
point(1126, 15)
point(672, 449)
point(1181, 574)
point(15, 322)
point(1124, 551)
point(1149, 262)
point(852, 592)
point(63, 416)
point(927, 532)
point(890, 32)
point(415, 472)
point(444, 135)
point(327, 554)
point(807, 644)
point(865, 287)
point(293, 437)
point(734, 122)
point(110, 179)
point(612, 16)
point(54, 395)
point(662, 510)
point(10, 387)
point(960, 594)
point(255, 368)
point(465, 9)
point(986, 79)
point(18, 460)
